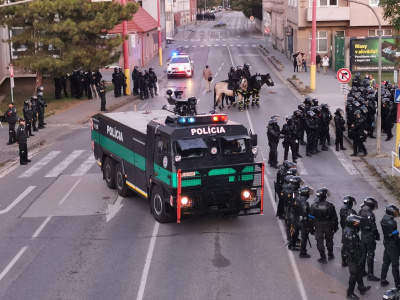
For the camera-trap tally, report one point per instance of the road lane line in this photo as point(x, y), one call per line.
point(346, 162)
point(40, 164)
point(146, 268)
point(296, 272)
point(37, 232)
point(69, 192)
point(64, 164)
point(16, 201)
point(300, 166)
point(83, 168)
point(12, 263)
point(143, 105)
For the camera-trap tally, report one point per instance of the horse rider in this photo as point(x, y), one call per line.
point(233, 79)
point(246, 70)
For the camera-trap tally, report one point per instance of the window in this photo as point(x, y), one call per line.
point(324, 3)
point(374, 2)
point(237, 146)
point(322, 41)
point(14, 47)
point(385, 32)
point(190, 148)
point(179, 60)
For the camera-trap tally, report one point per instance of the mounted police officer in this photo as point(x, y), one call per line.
point(369, 235)
point(301, 210)
point(273, 134)
point(345, 211)
point(324, 224)
point(391, 243)
point(355, 255)
point(340, 129)
point(240, 73)
point(246, 70)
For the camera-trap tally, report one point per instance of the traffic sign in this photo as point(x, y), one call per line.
point(344, 88)
point(267, 30)
point(397, 96)
point(11, 71)
point(343, 75)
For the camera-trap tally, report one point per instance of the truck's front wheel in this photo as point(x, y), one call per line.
point(159, 206)
point(120, 182)
point(109, 172)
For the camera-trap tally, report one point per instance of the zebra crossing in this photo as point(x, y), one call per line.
point(62, 164)
point(216, 45)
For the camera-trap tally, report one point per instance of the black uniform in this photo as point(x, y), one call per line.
point(11, 115)
point(152, 83)
point(122, 80)
point(63, 80)
point(28, 116)
point(289, 139)
point(142, 86)
point(357, 132)
point(41, 104)
point(34, 107)
point(284, 171)
point(326, 118)
point(345, 211)
point(391, 254)
point(355, 255)
point(310, 128)
point(325, 224)
point(57, 87)
point(102, 89)
point(387, 118)
point(340, 129)
point(135, 78)
point(273, 134)
point(117, 83)
point(22, 138)
point(288, 194)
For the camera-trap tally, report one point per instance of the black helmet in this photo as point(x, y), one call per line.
point(311, 114)
point(392, 210)
point(323, 193)
point(354, 89)
point(272, 121)
point(364, 109)
point(26, 102)
point(247, 65)
point(357, 112)
point(150, 69)
point(115, 69)
point(307, 101)
point(316, 109)
point(136, 67)
point(238, 67)
point(40, 88)
point(288, 178)
point(385, 101)
point(339, 111)
point(233, 69)
point(297, 112)
point(353, 221)
point(288, 118)
point(292, 171)
point(356, 103)
point(296, 180)
point(306, 191)
point(371, 203)
point(349, 200)
point(349, 98)
point(301, 107)
point(392, 294)
point(314, 101)
point(325, 106)
point(370, 90)
point(289, 164)
point(275, 117)
point(357, 74)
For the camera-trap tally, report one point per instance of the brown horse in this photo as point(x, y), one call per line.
point(221, 88)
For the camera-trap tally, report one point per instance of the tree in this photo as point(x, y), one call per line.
point(391, 12)
point(248, 7)
point(63, 35)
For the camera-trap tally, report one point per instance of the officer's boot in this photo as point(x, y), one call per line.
point(350, 291)
point(351, 295)
point(240, 105)
point(396, 277)
point(341, 145)
point(258, 100)
point(364, 289)
point(371, 276)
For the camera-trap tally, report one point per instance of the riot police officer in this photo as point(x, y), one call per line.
point(356, 82)
point(357, 132)
point(288, 194)
point(298, 130)
point(233, 79)
point(41, 104)
point(324, 224)
point(340, 129)
point(388, 112)
point(239, 72)
point(12, 118)
point(369, 235)
point(152, 82)
point(310, 128)
point(34, 107)
point(28, 116)
point(355, 255)
point(345, 211)
point(102, 89)
point(289, 139)
point(287, 168)
point(392, 294)
point(326, 118)
point(391, 243)
point(301, 210)
point(122, 82)
point(246, 70)
point(117, 83)
point(135, 78)
point(142, 85)
point(273, 134)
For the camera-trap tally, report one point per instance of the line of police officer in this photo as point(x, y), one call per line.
point(320, 219)
point(79, 82)
point(143, 84)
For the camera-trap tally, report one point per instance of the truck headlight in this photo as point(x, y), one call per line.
point(178, 158)
point(246, 194)
point(254, 150)
point(184, 200)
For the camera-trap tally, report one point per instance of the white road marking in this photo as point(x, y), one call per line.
point(238, 45)
point(193, 46)
point(16, 201)
point(346, 162)
point(64, 164)
point(83, 168)
point(201, 46)
point(143, 105)
point(37, 232)
point(12, 263)
point(146, 268)
point(69, 192)
point(300, 166)
point(40, 164)
point(296, 272)
point(113, 209)
point(223, 45)
point(216, 45)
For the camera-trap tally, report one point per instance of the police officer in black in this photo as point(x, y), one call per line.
point(34, 107)
point(324, 224)
point(28, 116)
point(340, 129)
point(63, 80)
point(301, 210)
point(146, 77)
point(310, 128)
point(287, 168)
point(122, 81)
point(273, 134)
point(355, 254)
point(22, 138)
point(388, 113)
point(391, 243)
point(142, 85)
point(392, 294)
point(298, 129)
point(41, 104)
point(11, 115)
point(117, 83)
point(357, 132)
point(356, 82)
point(102, 89)
point(240, 73)
point(369, 235)
point(345, 211)
point(233, 79)
point(289, 139)
point(326, 118)
point(152, 82)
point(135, 78)
point(288, 194)
point(246, 70)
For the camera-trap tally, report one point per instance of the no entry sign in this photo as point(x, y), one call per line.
point(343, 75)
point(266, 30)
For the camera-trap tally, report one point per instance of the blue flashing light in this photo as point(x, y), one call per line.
point(182, 120)
point(174, 54)
point(191, 120)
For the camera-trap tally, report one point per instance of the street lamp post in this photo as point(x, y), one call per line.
point(378, 118)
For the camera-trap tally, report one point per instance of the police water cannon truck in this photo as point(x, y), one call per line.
point(184, 164)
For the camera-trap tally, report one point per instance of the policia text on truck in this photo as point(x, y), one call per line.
point(185, 164)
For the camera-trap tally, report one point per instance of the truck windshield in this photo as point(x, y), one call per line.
point(233, 147)
point(190, 148)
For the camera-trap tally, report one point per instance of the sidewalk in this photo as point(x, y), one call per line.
point(328, 91)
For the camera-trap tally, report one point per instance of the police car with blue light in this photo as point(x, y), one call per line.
point(187, 164)
point(180, 64)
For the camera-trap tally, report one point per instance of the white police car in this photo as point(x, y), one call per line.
point(180, 64)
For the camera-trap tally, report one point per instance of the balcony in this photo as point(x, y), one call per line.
point(333, 13)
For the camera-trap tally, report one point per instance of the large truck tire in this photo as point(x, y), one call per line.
point(120, 182)
point(109, 172)
point(159, 207)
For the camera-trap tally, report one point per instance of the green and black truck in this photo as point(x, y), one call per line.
point(185, 165)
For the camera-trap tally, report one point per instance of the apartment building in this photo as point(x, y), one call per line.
point(337, 22)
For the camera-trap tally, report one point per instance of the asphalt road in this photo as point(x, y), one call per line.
point(64, 235)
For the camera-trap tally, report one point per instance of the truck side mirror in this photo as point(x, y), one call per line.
point(253, 139)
